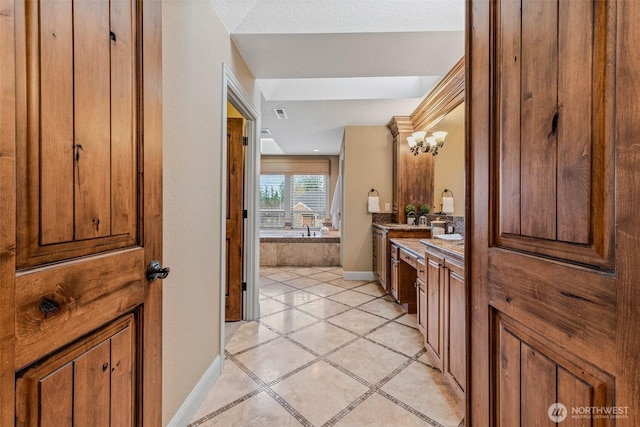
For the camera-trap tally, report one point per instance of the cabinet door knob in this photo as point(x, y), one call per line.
point(155, 271)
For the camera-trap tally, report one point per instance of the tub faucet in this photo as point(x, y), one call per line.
point(308, 231)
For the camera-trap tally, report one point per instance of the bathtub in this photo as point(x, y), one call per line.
point(295, 248)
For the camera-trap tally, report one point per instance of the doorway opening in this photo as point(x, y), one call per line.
point(239, 225)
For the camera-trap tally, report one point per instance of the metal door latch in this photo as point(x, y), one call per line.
point(155, 271)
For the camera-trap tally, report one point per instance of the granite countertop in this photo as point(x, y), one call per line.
point(412, 246)
point(417, 247)
point(402, 227)
point(455, 249)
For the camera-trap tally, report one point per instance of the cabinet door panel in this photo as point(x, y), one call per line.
point(421, 311)
point(533, 374)
point(122, 372)
point(554, 127)
point(78, 155)
point(91, 387)
point(455, 338)
point(434, 314)
point(56, 115)
point(57, 398)
point(91, 383)
point(394, 278)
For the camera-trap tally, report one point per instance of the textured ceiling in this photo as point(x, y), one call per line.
point(335, 63)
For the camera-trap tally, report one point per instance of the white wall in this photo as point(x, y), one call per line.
point(195, 44)
point(367, 165)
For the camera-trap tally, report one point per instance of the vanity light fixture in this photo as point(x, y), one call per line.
point(419, 142)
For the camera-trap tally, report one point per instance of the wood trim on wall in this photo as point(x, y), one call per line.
point(7, 210)
point(400, 124)
point(447, 95)
point(477, 411)
point(151, 79)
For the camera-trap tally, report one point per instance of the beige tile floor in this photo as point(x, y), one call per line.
point(328, 352)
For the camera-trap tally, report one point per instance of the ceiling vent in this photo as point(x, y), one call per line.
point(280, 113)
point(265, 131)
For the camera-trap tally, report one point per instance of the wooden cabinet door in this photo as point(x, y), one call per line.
point(90, 384)
point(412, 175)
point(421, 297)
point(394, 278)
point(454, 325)
point(434, 316)
point(553, 125)
point(81, 192)
point(421, 310)
point(382, 259)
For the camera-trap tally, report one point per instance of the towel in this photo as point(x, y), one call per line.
point(336, 204)
point(374, 204)
point(447, 205)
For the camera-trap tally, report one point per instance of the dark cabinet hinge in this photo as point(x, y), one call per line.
point(244, 286)
point(245, 141)
point(245, 214)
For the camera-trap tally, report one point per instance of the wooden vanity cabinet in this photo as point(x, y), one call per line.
point(380, 261)
point(444, 318)
point(421, 297)
point(434, 318)
point(393, 276)
point(382, 250)
point(412, 175)
point(454, 324)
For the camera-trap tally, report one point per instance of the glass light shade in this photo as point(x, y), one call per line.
point(431, 141)
point(440, 135)
point(411, 141)
point(419, 136)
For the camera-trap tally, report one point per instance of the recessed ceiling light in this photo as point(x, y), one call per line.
point(316, 150)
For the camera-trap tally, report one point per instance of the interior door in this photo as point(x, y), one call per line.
point(553, 227)
point(81, 191)
point(235, 221)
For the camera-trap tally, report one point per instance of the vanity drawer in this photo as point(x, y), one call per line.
point(422, 270)
point(409, 258)
point(394, 252)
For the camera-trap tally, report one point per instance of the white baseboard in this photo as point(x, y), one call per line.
point(192, 403)
point(359, 275)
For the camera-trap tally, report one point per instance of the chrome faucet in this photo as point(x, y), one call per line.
point(308, 231)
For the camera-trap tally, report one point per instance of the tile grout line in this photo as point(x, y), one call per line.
point(377, 387)
point(373, 388)
point(324, 357)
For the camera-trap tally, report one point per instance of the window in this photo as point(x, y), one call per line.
point(272, 201)
point(293, 200)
